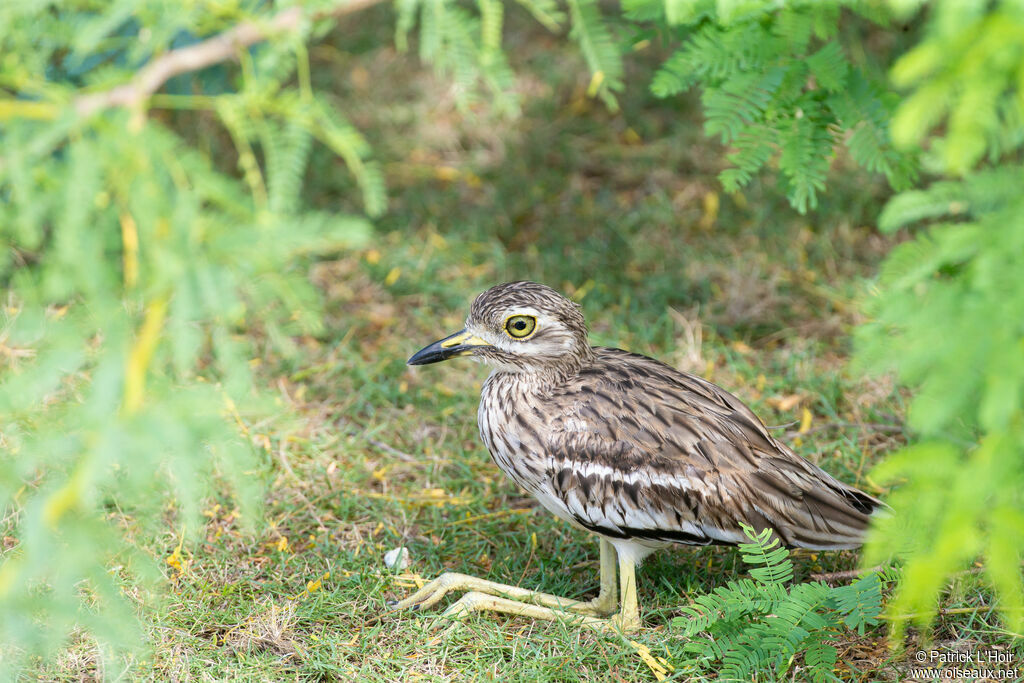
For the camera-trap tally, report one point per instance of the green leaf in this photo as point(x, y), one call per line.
point(917, 63)
point(684, 11)
point(918, 113)
point(829, 66)
point(547, 12)
point(590, 30)
point(941, 199)
point(1003, 392)
point(331, 128)
point(1003, 561)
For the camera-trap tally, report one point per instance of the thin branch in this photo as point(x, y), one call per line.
point(872, 426)
point(856, 573)
point(830, 577)
point(401, 455)
point(942, 611)
point(219, 48)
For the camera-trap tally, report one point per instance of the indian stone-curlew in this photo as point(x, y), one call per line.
point(626, 447)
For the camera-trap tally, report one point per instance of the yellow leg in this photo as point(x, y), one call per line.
point(482, 602)
point(604, 604)
point(449, 582)
point(626, 620)
point(607, 599)
point(628, 617)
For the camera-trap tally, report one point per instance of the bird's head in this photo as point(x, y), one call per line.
point(517, 327)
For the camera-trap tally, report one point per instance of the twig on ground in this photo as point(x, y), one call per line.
point(359, 432)
point(873, 426)
point(942, 611)
point(784, 425)
point(854, 573)
point(844, 575)
point(494, 515)
point(401, 455)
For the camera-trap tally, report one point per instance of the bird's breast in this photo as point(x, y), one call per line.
point(512, 430)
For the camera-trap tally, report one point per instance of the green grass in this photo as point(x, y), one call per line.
point(624, 213)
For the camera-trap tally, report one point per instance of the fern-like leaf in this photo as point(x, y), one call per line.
point(331, 128)
point(820, 659)
point(829, 66)
point(740, 102)
point(756, 628)
point(590, 30)
point(752, 149)
point(406, 11)
point(286, 150)
point(767, 555)
point(547, 12)
point(806, 153)
point(940, 199)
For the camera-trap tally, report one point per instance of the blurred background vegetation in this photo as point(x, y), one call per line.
point(219, 251)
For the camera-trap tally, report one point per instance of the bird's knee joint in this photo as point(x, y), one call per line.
point(474, 599)
point(449, 580)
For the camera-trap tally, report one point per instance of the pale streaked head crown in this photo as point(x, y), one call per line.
point(558, 343)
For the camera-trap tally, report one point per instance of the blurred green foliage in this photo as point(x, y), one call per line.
point(141, 265)
point(133, 262)
point(948, 316)
point(779, 85)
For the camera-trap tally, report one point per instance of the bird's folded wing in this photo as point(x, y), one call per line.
point(679, 459)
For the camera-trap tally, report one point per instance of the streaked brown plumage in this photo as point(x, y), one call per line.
point(637, 452)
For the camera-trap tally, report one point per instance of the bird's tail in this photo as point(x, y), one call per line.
point(822, 512)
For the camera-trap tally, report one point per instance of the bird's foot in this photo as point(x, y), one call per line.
point(622, 622)
point(604, 605)
point(482, 595)
point(475, 601)
point(488, 596)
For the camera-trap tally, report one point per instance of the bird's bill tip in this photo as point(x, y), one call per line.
point(462, 343)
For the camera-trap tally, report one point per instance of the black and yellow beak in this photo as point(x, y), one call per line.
point(461, 343)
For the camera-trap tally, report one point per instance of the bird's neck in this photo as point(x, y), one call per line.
point(542, 378)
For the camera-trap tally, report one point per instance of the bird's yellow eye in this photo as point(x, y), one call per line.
point(520, 326)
